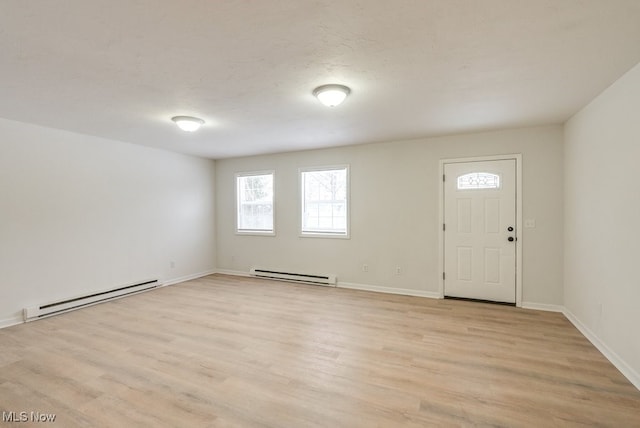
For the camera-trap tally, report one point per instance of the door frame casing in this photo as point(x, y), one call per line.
point(518, 158)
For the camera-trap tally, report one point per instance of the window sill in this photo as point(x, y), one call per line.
point(254, 233)
point(324, 235)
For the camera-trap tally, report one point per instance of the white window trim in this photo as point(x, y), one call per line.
point(330, 235)
point(255, 232)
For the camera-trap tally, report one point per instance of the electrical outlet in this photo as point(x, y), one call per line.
point(365, 268)
point(530, 223)
point(398, 270)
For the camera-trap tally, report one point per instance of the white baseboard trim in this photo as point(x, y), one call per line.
point(618, 362)
point(389, 290)
point(232, 272)
point(8, 322)
point(542, 307)
point(355, 286)
point(174, 281)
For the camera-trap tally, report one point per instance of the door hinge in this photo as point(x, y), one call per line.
point(443, 177)
point(443, 276)
point(444, 227)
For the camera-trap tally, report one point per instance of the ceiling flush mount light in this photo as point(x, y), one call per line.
point(331, 95)
point(188, 123)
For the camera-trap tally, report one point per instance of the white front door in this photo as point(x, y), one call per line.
point(479, 230)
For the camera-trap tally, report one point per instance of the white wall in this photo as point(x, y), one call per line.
point(602, 213)
point(394, 217)
point(81, 214)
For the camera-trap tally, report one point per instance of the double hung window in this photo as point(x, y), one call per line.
point(324, 196)
point(255, 208)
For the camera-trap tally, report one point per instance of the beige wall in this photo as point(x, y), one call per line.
point(394, 212)
point(602, 209)
point(82, 214)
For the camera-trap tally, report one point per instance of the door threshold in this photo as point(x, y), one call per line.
point(467, 299)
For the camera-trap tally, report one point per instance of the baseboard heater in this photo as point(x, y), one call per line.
point(49, 309)
point(329, 280)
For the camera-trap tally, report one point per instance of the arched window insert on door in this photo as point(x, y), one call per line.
point(478, 180)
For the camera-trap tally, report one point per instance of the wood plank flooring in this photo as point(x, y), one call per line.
point(225, 351)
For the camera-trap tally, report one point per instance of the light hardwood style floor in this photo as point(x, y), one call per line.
point(229, 351)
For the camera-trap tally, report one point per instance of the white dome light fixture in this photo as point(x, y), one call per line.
point(188, 123)
point(331, 95)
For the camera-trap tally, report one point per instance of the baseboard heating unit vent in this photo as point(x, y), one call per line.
point(49, 309)
point(293, 276)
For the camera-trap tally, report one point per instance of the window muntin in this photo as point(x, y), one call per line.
point(324, 201)
point(255, 209)
point(478, 180)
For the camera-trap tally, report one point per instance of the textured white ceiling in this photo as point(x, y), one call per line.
point(121, 69)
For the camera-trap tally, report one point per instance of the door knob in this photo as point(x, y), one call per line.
point(510, 228)
point(511, 239)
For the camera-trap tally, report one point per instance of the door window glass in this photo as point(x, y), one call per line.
point(478, 180)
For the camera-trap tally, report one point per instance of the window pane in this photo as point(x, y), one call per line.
point(478, 180)
point(255, 202)
point(324, 201)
